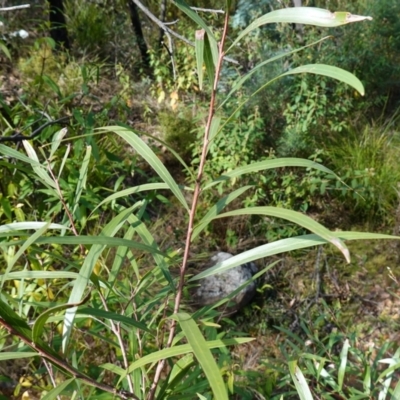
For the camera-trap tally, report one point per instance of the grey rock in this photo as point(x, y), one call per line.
point(216, 287)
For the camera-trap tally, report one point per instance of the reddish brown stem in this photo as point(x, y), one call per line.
point(193, 208)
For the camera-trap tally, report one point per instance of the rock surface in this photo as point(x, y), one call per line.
point(216, 287)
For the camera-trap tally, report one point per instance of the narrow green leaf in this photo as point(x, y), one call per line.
point(82, 179)
point(191, 14)
point(41, 171)
point(176, 351)
point(149, 240)
point(64, 161)
point(330, 71)
point(5, 50)
point(86, 271)
point(8, 151)
point(215, 123)
point(199, 47)
point(94, 312)
point(54, 393)
point(396, 392)
point(387, 382)
point(217, 208)
point(41, 320)
point(57, 138)
point(133, 190)
point(343, 363)
point(209, 61)
point(16, 325)
point(301, 15)
point(39, 275)
point(106, 241)
point(296, 217)
point(242, 79)
point(268, 164)
point(145, 151)
point(32, 239)
point(177, 376)
point(14, 355)
point(52, 85)
point(21, 226)
point(284, 246)
point(203, 355)
point(299, 381)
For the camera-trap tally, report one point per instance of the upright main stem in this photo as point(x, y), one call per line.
point(192, 214)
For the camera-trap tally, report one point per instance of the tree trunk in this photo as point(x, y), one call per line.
point(137, 28)
point(299, 27)
point(58, 27)
point(163, 13)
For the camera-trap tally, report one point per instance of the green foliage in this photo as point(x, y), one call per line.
point(336, 364)
point(90, 25)
point(368, 164)
point(105, 279)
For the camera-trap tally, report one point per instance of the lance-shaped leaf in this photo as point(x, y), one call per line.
point(210, 60)
point(299, 381)
point(57, 138)
point(86, 270)
point(296, 217)
point(82, 179)
point(203, 354)
point(148, 154)
point(22, 226)
point(40, 170)
point(106, 241)
point(284, 246)
point(215, 123)
point(40, 322)
point(199, 47)
point(330, 71)
point(174, 351)
point(318, 69)
point(27, 274)
point(242, 79)
point(130, 191)
point(269, 164)
point(302, 15)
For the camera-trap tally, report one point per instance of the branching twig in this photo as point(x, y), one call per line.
point(192, 213)
point(15, 7)
point(168, 30)
point(17, 137)
point(47, 355)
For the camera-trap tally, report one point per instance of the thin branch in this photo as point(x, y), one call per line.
point(17, 137)
point(15, 7)
point(44, 353)
point(197, 190)
point(163, 14)
point(208, 10)
point(116, 328)
point(163, 26)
